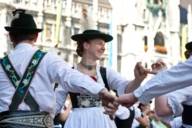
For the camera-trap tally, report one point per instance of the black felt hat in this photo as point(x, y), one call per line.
point(92, 34)
point(23, 23)
point(188, 46)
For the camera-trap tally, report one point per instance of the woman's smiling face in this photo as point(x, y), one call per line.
point(95, 47)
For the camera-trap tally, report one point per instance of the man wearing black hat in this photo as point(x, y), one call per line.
point(27, 74)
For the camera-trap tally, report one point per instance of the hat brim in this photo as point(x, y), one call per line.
point(82, 37)
point(18, 29)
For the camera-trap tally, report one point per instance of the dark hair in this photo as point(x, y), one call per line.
point(17, 37)
point(80, 48)
point(187, 53)
point(141, 104)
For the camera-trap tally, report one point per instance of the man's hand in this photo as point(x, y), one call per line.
point(109, 103)
point(127, 99)
point(158, 66)
point(106, 97)
point(140, 72)
point(110, 110)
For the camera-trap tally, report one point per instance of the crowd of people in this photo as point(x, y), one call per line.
point(87, 95)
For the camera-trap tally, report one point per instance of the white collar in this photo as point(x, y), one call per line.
point(23, 45)
point(99, 77)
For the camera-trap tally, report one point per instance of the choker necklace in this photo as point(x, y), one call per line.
point(87, 66)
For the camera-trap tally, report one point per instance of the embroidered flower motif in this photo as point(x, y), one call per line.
point(85, 103)
point(17, 83)
point(88, 101)
point(25, 82)
point(8, 67)
point(98, 103)
point(34, 62)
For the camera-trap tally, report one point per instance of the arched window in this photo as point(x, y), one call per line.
point(159, 43)
point(159, 39)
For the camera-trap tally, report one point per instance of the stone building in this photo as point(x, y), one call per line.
point(143, 30)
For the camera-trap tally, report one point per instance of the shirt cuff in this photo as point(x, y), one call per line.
point(138, 93)
point(175, 106)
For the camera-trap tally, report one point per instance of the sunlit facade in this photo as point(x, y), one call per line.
point(143, 30)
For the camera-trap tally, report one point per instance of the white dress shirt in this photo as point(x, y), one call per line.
point(176, 122)
point(51, 69)
point(179, 97)
point(177, 77)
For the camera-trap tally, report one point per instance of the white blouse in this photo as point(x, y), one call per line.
point(94, 117)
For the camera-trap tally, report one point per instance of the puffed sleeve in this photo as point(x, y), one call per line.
point(116, 81)
point(70, 79)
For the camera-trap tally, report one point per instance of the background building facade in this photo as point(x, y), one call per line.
point(143, 30)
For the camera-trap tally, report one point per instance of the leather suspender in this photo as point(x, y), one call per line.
point(103, 72)
point(22, 84)
point(104, 76)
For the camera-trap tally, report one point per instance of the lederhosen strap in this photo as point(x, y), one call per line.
point(187, 114)
point(22, 84)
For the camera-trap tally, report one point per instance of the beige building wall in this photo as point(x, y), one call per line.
point(134, 28)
